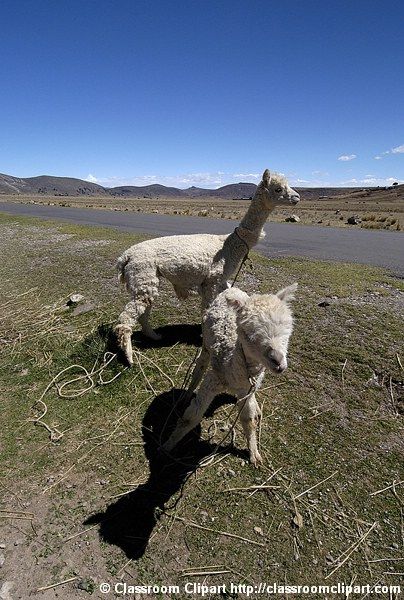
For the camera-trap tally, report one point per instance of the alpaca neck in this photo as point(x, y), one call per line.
point(255, 217)
point(246, 236)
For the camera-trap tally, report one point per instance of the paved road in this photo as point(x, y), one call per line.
point(380, 248)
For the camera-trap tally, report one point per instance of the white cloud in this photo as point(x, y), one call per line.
point(346, 157)
point(396, 150)
point(91, 178)
point(255, 176)
point(370, 181)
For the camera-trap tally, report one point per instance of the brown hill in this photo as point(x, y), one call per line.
point(64, 186)
point(231, 191)
point(146, 191)
point(49, 186)
point(14, 185)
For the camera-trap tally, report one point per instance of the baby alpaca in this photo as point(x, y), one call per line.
point(201, 263)
point(243, 336)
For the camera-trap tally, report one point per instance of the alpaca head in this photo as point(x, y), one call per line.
point(265, 324)
point(275, 190)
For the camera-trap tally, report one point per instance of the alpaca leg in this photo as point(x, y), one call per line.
point(198, 372)
point(135, 310)
point(126, 321)
point(192, 416)
point(249, 417)
point(147, 329)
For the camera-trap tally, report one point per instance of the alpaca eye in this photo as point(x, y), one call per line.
point(278, 190)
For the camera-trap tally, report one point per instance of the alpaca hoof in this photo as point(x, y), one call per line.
point(123, 337)
point(256, 459)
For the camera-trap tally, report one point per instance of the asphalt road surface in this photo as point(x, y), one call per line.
point(379, 248)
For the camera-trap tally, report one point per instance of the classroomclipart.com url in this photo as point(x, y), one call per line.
point(200, 590)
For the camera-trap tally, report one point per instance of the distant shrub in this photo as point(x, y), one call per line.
point(372, 225)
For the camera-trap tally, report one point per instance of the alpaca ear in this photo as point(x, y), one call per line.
point(288, 293)
point(236, 298)
point(266, 177)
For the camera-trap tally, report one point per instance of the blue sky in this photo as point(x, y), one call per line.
point(203, 92)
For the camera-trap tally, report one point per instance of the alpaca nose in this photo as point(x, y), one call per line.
point(295, 199)
point(278, 360)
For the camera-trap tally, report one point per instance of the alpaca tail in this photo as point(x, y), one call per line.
point(120, 267)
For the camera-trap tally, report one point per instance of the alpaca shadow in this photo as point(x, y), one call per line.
point(129, 522)
point(186, 333)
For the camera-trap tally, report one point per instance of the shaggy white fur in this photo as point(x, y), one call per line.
point(202, 263)
point(242, 337)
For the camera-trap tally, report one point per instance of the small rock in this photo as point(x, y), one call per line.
point(354, 220)
point(2, 546)
point(394, 546)
point(204, 515)
point(329, 559)
point(24, 372)
point(87, 585)
point(2, 559)
point(83, 308)
point(231, 472)
point(74, 299)
point(292, 219)
point(258, 530)
point(373, 381)
point(5, 590)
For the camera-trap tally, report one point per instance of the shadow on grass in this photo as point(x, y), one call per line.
point(187, 333)
point(129, 522)
point(103, 339)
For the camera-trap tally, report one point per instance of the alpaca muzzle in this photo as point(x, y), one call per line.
point(277, 361)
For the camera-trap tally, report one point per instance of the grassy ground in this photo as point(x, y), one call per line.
point(333, 422)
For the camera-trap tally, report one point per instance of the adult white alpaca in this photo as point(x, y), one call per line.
point(202, 262)
point(242, 337)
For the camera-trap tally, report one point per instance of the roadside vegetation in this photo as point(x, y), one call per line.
point(376, 209)
point(88, 497)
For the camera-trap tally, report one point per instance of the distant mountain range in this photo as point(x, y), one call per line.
point(68, 186)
